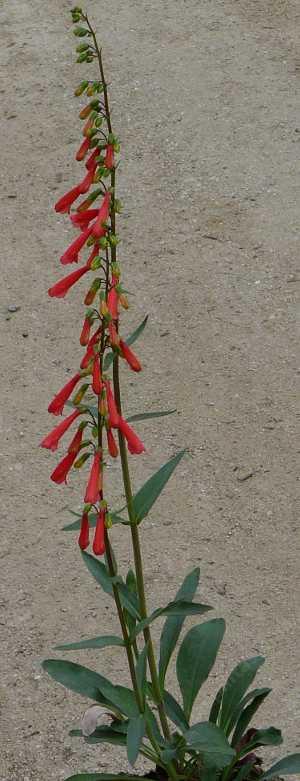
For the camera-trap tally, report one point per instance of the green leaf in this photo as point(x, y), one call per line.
point(77, 678)
point(244, 772)
point(129, 340)
point(263, 737)
point(102, 735)
point(135, 734)
point(92, 642)
point(75, 525)
point(258, 696)
point(101, 575)
point(174, 711)
point(141, 671)
point(173, 624)
point(215, 708)
point(101, 777)
point(287, 766)
point(196, 658)
point(122, 698)
point(211, 743)
point(149, 415)
point(172, 609)
point(147, 495)
point(237, 684)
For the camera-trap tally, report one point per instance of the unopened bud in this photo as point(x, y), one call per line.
point(80, 32)
point(80, 393)
point(81, 460)
point(113, 239)
point(82, 47)
point(93, 142)
point(123, 301)
point(98, 121)
point(115, 270)
point(103, 407)
point(96, 263)
point(91, 132)
point(90, 90)
point(82, 57)
point(89, 298)
point(86, 110)
point(81, 88)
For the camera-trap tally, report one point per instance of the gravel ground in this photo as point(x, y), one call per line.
point(206, 102)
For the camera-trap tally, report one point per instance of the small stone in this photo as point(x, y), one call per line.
point(25, 334)
point(13, 308)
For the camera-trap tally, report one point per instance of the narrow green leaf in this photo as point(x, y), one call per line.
point(102, 735)
point(92, 642)
point(149, 415)
point(100, 777)
point(129, 600)
point(237, 684)
point(122, 698)
point(196, 657)
point(211, 743)
point(174, 711)
point(141, 671)
point(172, 609)
point(135, 734)
point(173, 624)
point(215, 708)
point(287, 766)
point(129, 340)
point(77, 678)
point(263, 737)
point(258, 696)
point(99, 572)
point(144, 499)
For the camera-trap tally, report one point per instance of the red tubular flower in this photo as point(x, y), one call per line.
point(65, 202)
point(57, 404)
point(99, 538)
point(112, 407)
point(113, 336)
point(97, 382)
point(62, 470)
point(135, 445)
point(85, 333)
point(51, 440)
point(93, 488)
point(112, 302)
point(83, 149)
point(88, 125)
point(102, 216)
point(91, 161)
point(60, 288)
point(109, 160)
point(130, 357)
point(82, 219)
point(111, 444)
point(90, 349)
point(90, 295)
point(71, 254)
point(75, 443)
point(84, 537)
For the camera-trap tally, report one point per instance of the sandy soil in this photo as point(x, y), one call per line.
point(206, 102)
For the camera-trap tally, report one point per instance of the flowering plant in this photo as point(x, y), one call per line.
point(146, 718)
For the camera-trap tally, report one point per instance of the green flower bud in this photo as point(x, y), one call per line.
point(82, 57)
point(91, 132)
point(96, 263)
point(103, 243)
point(81, 460)
point(80, 32)
point(81, 88)
point(113, 240)
point(98, 121)
point(82, 47)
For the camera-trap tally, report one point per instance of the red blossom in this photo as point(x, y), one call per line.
point(84, 186)
point(57, 404)
point(75, 443)
point(62, 470)
point(93, 488)
point(113, 336)
point(88, 125)
point(112, 302)
point(109, 159)
point(102, 216)
point(51, 440)
point(84, 537)
point(82, 219)
point(135, 445)
point(112, 407)
point(65, 202)
point(99, 537)
point(111, 443)
point(83, 149)
point(91, 161)
point(85, 333)
point(130, 357)
point(97, 382)
point(60, 288)
point(72, 252)
point(89, 354)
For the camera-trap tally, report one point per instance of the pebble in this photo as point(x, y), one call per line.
point(13, 308)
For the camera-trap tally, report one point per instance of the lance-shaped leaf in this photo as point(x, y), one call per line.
point(102, 734)
point(144, 499)
point(141, 671)
point(237, 684)
point(215, 708)
point(196, 657)
point(210, 741)
point(263, 737)
point(174, 711)
point(129, 340)
point(257, 696)
point(149, 415)
point(173, 624)
point(287, 766)
point(179, 608)
point(77, 678)
point(135, 734)
point(92, 642)
point(122, 698)
point(101, 575)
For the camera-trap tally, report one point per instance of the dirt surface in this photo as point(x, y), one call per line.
point(206, 102)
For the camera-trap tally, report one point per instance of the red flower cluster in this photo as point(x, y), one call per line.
point(99, 332)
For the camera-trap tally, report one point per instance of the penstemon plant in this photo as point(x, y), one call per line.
point(146, 718)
